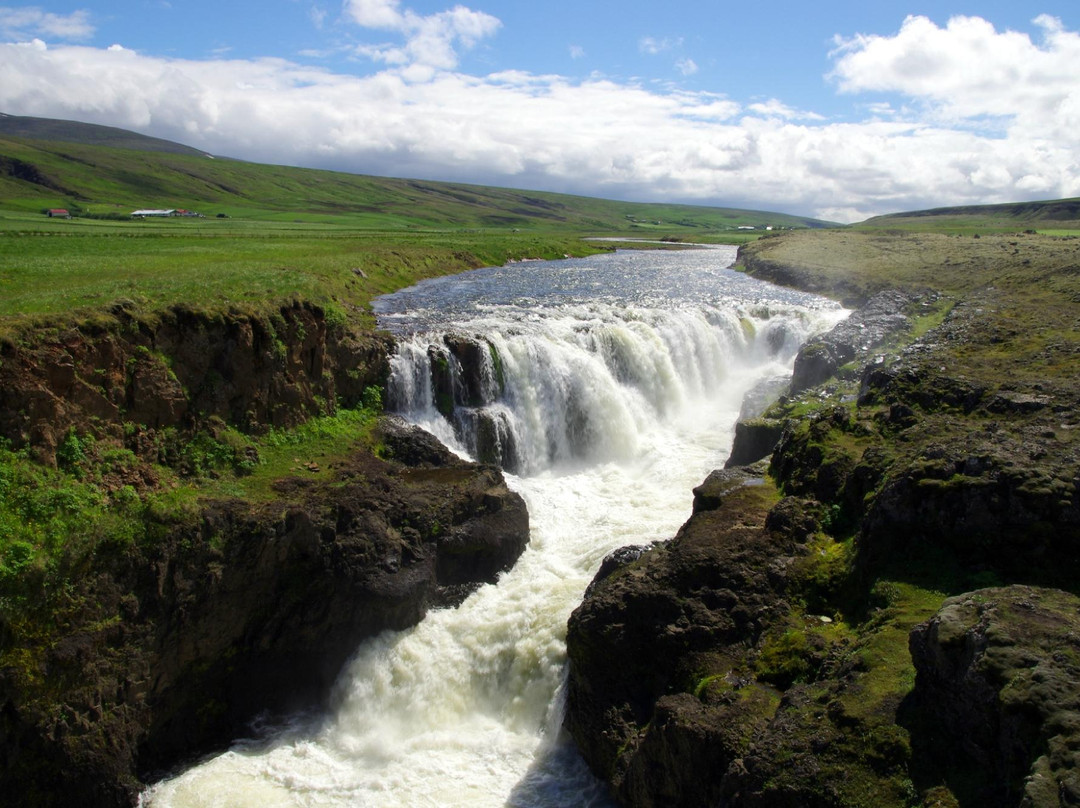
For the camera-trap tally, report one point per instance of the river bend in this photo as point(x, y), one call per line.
point(607, 387)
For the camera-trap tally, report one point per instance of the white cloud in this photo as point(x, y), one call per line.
point(375, 13)
point(600, 136)
point(431, 41)
point(651, 46)
point(686, 66)
point(577, 52)
point(774, 108)
point(26, 22)
point(654, 46)
point(968, 72)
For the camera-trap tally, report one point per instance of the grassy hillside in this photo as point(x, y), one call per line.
point(94, 172)
point(1057, 216)
point(90, 134)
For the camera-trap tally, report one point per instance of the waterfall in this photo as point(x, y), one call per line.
point(579, 386)
point(607, 388)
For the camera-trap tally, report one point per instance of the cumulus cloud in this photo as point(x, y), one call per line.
point(430, 41)
point(604, 137)
point(375, 13)
point(27, 22)
point(1024, 95)
point(968, 71)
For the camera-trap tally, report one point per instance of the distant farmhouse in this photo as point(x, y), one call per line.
point(58, 213)
point(152, 213)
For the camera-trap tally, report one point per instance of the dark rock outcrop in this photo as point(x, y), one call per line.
point(243, 610)
point(760, 658)
point(180, 369)
point(755, 438)
point(165, 647)
point(996, 706)
point(652, 631)
point(852, 341)
point(883, 317)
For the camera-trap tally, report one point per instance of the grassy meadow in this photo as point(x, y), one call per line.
point(270, 234)
point(1057, 217)
point(60, 267)
point(267, 236)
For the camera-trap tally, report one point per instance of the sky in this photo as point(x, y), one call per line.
point(838, 110)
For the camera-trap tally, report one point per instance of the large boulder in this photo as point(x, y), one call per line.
point(996, 706)
point(657, 700)
point(882, 318)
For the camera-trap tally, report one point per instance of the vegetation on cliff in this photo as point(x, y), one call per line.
point(201, 510)
point(201, 514)
point(935, 464)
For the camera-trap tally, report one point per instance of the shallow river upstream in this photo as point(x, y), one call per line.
point(608, 387)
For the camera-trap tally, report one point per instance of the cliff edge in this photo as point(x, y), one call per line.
point(883, 610)
point(144, 626)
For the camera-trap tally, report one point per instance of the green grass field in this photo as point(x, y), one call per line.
point(1052, 217)
point(57, 268)
point(269, 234)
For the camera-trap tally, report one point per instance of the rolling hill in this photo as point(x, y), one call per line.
point(90, 134)
point(101, 171)
point(1054, 214)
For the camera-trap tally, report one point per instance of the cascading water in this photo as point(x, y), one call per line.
point(607, 387)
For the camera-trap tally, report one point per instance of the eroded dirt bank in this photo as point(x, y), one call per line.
point(178, 369)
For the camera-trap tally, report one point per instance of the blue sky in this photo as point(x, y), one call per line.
point(840, 110)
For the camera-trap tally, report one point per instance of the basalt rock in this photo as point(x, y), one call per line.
point(475, 387)
point(180, 369)
point(244, 611)
point(851, 341)
point(760, 658)
point(653, 621)
point(882, 318)
point(996, 706)
point(755, 438)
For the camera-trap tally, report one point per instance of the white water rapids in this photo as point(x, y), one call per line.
point(611, 385)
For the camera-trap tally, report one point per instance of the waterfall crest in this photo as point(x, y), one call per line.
point(576, 386)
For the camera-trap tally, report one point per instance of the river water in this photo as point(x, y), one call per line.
point(608, 387)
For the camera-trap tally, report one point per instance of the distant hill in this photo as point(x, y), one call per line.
point(1054, 214)
point(89, 134)
point(100, 170)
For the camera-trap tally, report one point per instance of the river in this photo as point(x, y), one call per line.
point(608, 387)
